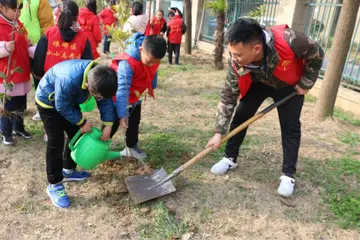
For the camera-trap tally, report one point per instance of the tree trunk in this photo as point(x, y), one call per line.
point(219, 40)
point(188, 26)
point(340, 48)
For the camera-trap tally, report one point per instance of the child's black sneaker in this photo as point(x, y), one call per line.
point(23, 134)
point(7, 140)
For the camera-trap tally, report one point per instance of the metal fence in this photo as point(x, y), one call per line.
point(321, 22)
point(239, 8)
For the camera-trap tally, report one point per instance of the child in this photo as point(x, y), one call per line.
point(174, 34)
point(107, 17)
point(90, 23)
point(138, 20)
point(19, 50)
point(63, 88)
point(136, 68)
point(62, 42)
point(157, 25)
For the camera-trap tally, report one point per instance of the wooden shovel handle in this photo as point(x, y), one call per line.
point(235, 131)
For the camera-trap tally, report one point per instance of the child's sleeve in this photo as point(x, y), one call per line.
point(154, 81)
point(97, 33)
point(40, 56)
point(65, 95)
point(107, 113)
point(164, 27)
point(125, 75)
point(101, 16)
point(3, 51)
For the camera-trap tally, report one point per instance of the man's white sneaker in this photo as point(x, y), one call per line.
point(286, 187)
point(36, 117)
point(223, 166)
point(133, 152)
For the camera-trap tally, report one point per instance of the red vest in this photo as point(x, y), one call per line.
point(20, 55)
point(59, 50)
point(142, 78)
point(175, 33)
point(156, 26)
point(289, 69)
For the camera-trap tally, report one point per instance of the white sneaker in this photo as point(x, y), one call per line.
point(223, 166)
point(133, 152)
point(286, 187)
point(36, 117)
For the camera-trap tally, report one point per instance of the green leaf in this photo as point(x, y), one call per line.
point(18, 70)
point(3, 76)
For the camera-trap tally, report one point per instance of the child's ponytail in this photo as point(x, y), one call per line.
point(91, 5)
point(68, 16)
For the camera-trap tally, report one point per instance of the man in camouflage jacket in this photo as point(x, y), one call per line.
point(252, 50)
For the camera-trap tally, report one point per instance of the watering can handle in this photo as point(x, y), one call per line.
point(74, 139)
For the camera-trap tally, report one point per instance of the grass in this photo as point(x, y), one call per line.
point(310, 98)
point(346, 116)
point(340, 180)
point(167, 71)
point(350, 138)
point(164, 225)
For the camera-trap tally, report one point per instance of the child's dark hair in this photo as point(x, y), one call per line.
point(111, 2)
point(69, 15)
point(175, 9)
point(155, 45)
point(103, 80)
point(137, 8)
point(171, 14)
point(91, 5)
point(13, 4)
point(162, 12)
point(244, 30)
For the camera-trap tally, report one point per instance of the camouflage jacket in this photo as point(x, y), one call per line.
point(303, 47)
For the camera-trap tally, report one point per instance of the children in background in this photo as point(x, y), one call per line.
point(58, 9)
point(174, 34)
point(136, 68)
point(62, 42)
point(157, 25)
point(138, 20)
point(20, 51)
point(90, 23)
point(37, 18)
point(63, 88)
point(107, 18)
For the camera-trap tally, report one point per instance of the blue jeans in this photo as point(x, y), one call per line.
point(16, 121)
point(107, 43)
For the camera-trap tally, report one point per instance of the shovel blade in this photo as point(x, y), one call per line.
point(138, 186)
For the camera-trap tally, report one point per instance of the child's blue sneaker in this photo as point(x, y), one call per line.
point(58, 195)
point(73, 175)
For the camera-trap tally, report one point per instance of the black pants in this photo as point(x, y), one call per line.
point(57, 157)
point(176, 49)
point(289, 116)
point(17, 105)
point(106, 43)
point(132, 133)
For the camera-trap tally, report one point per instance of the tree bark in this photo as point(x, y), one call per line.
point(188, 21)
point(219, 40)
point(340, 48)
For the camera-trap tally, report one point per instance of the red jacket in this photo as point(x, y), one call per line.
point(142, 78)
point(58, 50)
point(20, 55)
point(289, 70)
point(155, 26)
point(107, 17)
point(175, 30)
point(90, 23)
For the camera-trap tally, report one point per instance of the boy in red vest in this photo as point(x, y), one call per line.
point(174, 34)
point(136, 69)
point(266, 63)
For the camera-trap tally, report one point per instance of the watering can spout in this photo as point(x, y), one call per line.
point(112, 155)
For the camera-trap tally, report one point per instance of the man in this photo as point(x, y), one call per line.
point(266, 63)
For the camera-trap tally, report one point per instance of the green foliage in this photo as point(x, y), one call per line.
point(316, 27)
point(217, 6)
point(350, 138)
point(346, 116)
point(258, 12)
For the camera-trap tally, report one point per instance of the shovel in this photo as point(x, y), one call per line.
point(158, 183)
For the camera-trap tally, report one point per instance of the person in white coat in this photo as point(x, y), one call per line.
point(138, 20)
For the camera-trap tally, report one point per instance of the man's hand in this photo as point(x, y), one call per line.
point(106, 133)
point(86, 127)
point(301, 91)
point(124, 123)
point(10, 46)
point(215, 141)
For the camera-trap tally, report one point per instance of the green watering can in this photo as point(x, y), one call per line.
point(88, 150)
point(89, 105)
